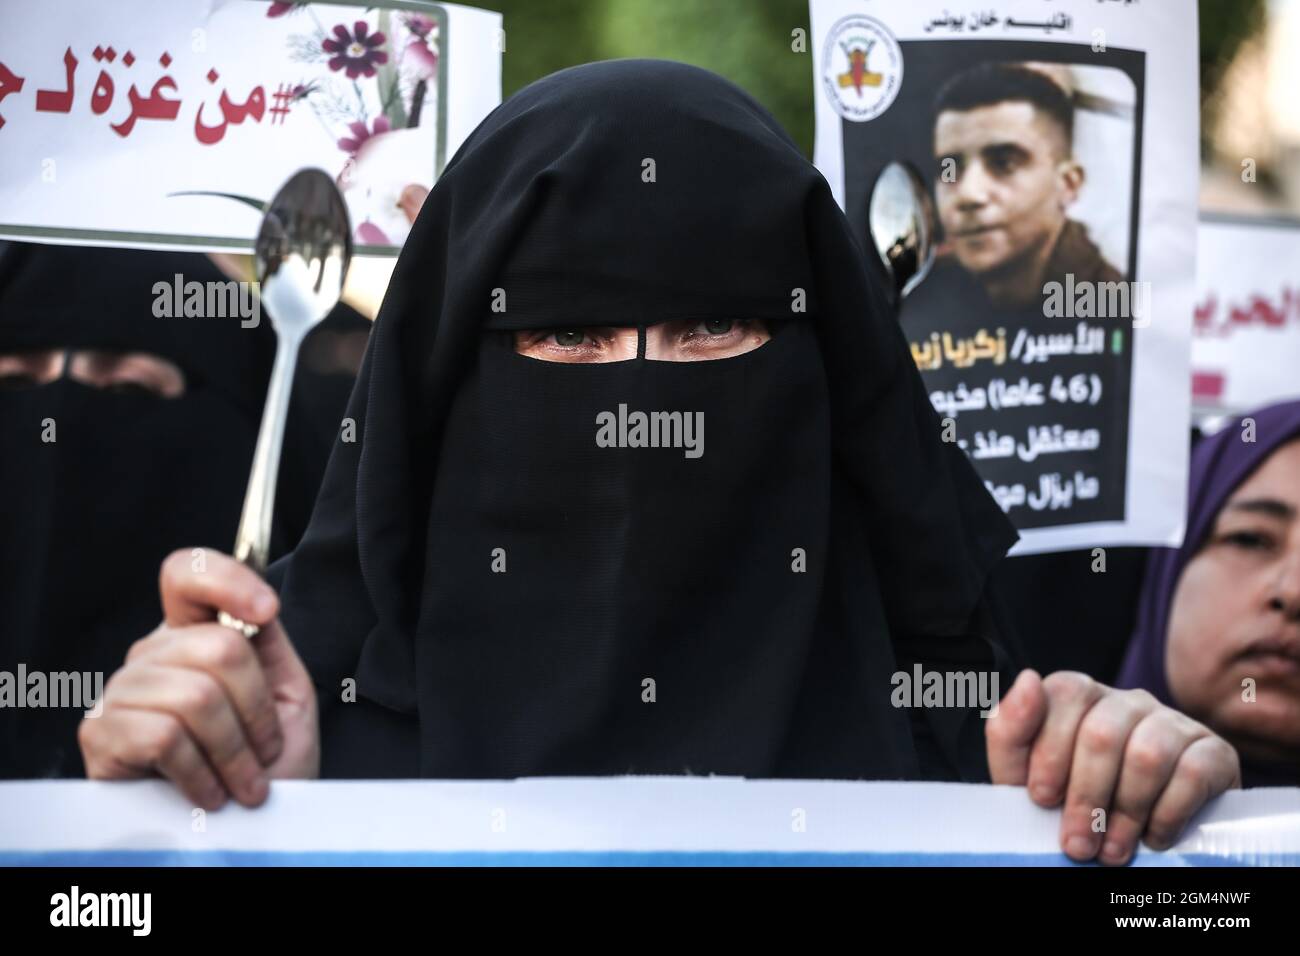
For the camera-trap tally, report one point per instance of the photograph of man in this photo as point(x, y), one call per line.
point(1007, 177)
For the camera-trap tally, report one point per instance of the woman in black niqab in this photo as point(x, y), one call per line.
point(513, 599)
point(98, 485)
point(91, 508)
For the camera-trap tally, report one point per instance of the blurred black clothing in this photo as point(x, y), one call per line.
point(1063, 615)
point(98, 485)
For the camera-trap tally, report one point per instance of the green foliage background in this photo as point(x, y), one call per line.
point(747, 41)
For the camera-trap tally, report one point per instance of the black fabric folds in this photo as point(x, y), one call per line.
point(130, 477)
point(629, 193)
point(88, 518)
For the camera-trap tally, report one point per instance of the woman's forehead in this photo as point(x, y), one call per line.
point(1276, 480)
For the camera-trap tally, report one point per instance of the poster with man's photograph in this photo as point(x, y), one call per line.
point(1005, 171)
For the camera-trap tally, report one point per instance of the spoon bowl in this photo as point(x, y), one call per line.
point(303, 250)
point(902, 223)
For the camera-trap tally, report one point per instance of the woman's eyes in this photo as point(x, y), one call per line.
point(713, 327)
point(1249, 540)
point(680, 341)
point(29, 369)
point(130, 373)
point(577, 342)
point(572, 345)
point(571, 339)
point(575, 338)
point(717, 333)
point(134, 373)
point(132, 388)
point(714, 338)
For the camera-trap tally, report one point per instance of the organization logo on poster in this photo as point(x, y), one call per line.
point(862, 68)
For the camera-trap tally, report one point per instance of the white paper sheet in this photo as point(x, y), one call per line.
point(691, 820)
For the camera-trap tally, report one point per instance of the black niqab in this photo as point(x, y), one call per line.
point(130, 477)
point(768, 588)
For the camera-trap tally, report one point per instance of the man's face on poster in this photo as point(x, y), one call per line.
point(1005, 182)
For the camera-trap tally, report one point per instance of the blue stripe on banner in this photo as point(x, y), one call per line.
point(111, 858)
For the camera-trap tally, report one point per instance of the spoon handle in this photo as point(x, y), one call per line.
point(253, 540)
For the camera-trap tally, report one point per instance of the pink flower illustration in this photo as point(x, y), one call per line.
point(278, 9)
point(351, 144)
point(372, 235)
point(357, 52)
point(420, 25)
point(424, 59)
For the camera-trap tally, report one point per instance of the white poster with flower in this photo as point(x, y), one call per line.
point(171, 124)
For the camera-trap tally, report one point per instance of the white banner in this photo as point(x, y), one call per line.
point(1246, 343)
point(1058, 144)
point(166, 123)
point(691, 821)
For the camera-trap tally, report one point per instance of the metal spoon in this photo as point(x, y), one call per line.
point(902, 224)
point(303, 251)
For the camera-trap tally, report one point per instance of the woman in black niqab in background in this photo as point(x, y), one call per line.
point(512, 599)
point(130, 476)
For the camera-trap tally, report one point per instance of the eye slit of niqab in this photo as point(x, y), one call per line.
point(28, 369)
point(680, 340)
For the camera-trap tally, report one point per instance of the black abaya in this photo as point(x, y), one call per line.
point(511, 597)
